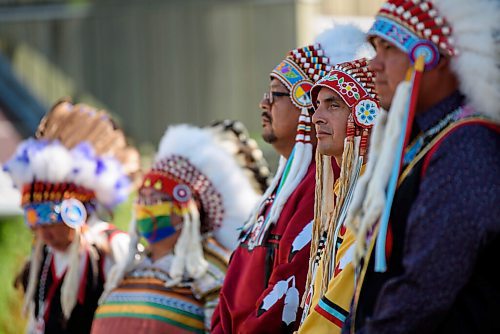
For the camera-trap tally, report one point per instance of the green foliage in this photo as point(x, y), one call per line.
point(123, 213)
point(15, 246)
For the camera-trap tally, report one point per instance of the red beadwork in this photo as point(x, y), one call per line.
point(423, 19)
point(178, 170)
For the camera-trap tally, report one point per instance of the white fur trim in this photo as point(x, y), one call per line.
point(35, 266)
point(71, 281)
point(369, 196)
point(220, 167)
point(344, 42)
point(52, 162)
point(475, 32)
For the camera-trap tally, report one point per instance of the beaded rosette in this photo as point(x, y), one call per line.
point(299, 70)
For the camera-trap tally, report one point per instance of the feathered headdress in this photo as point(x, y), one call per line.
point(78, 159)
point(466, 32)
point(198, 170)
point(354, 83)
point(298, 72)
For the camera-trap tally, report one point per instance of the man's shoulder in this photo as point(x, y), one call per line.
point(464, 166)
point(472, 143)
point(303, 195)
point(309, 179)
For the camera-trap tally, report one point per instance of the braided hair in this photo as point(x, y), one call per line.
point(246, 151)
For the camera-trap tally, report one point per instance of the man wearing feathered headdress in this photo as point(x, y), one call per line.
point(346, 108)
point(426, 210)
point(202, 186)
point(77, 165)
point(267, 274)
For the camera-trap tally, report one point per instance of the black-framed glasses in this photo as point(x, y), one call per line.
point(271, 96)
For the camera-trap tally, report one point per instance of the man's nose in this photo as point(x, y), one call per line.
point(376, 64)
point(264, 103)
point(317, 116)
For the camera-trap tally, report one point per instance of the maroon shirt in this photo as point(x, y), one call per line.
point(248, 281)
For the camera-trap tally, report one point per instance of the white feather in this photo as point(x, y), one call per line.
point(111, 185)
point(196, 265)
point(344, 42)
point(84, 170)
point(202, 150)
point(291, 306)
point(53, 163)
point(375, 199)
point(18, 166)
point(369, 195)
point(303, 238)
point(475, 32)
point(71, 281)
point(276, 294)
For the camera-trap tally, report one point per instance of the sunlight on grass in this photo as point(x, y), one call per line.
point(15, 245)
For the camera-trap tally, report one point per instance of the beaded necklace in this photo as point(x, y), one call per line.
point(419, 143)
point(40, 324)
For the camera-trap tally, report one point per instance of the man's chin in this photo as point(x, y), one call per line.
point(61, 247)
point(325, 148)
point(269, 137)
point(385, 102)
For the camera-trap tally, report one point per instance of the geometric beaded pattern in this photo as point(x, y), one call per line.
point(304, 129)
point(299, 70)
point(407, 22)
point(181, 170)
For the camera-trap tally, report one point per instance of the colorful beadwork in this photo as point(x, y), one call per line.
point(38, 192)
point(353, 81)
point(365, 112)
point(71, 211)
point(177, 177)
point(299, 70)
point(45, 213)
point(411, 24)
point(292, 76)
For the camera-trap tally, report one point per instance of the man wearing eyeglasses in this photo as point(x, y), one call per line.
point(266, 277)
point(279, 118)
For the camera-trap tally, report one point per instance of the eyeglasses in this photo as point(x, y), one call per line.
point(271, 96)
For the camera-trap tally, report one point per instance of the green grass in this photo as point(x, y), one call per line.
point(123, 213)
point(15, 246)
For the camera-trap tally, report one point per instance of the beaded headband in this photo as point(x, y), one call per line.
point(416, 28)
point(179, 179)
point(299, 70)
point(353, 81)
point(58, 184)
